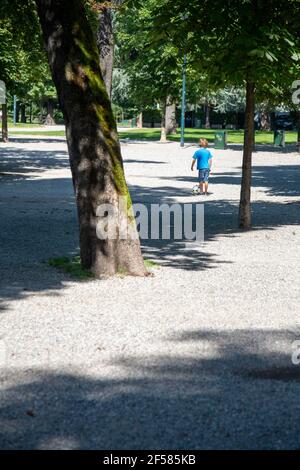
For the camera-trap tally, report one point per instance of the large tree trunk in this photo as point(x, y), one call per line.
point(105, 43)
point(245, 200)
point(93, 144)
point(4, 123)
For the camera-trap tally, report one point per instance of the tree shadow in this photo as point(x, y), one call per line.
point(39, 220)
point(266, 148)
point(220, 217)
point(234, 390)
point(278, 180)
point(143, 162)
point(38, 140)
point(23, 160)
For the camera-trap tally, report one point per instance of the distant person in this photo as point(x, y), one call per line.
point(204, 162)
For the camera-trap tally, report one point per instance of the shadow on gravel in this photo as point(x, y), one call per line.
point(290, 148)
point(238, 390)
point(221, 216)
point(38, 219)
point(22, 160)
point(38, 222)
point(279, 180)
point(145, 162)
point(37, 140)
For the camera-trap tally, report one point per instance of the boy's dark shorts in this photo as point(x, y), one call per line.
point(203, 175)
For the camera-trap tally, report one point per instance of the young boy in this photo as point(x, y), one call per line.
point(204, 162)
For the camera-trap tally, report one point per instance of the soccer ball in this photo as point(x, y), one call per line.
point(195, 189)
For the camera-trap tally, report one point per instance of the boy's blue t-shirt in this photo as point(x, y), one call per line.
point(202, 156)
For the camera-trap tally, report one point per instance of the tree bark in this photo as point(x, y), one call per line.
point(23, 112)
point(207, 116)
point(49, 121)
point(298, 131)
point(140, 121)
point(168, 119)
point(106, 44)
point(265, 121)
point(4, 123)
point(171, 124)
point(94, 149)
point(18, 111)
point(163, 134)
point(245, 199)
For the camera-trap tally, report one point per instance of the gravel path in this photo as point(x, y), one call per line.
point(196, 357)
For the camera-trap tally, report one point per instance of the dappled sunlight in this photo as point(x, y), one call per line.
point(231, 391)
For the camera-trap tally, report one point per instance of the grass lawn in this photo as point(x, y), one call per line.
point(191, 135)
point(43, 132)
point(11, 125)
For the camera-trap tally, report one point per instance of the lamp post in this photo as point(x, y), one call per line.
point(183, 99)
point(15, 110)
point(3, 105)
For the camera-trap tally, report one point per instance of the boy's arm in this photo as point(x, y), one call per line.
point(210, 161)
point(194, 160)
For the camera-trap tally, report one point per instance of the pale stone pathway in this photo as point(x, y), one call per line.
point(198, 356)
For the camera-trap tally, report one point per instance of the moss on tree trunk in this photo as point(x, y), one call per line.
point(94, 149)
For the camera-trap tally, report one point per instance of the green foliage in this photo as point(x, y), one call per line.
point(231, 41)
point(23, 62)
point(149, 72)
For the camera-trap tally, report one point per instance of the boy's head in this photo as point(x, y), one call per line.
point(203, 143)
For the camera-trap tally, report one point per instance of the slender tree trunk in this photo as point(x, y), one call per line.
point(298, 132)
point(207, 116)
point(106, 44)
point(49, 121)
point(41, 116)
point(93, 144)
point(140, 121)
point(265, 121)
point(4, 123)
point(245, 200)
point(168, 119)
point(163, 135)
point(23, 113)
point(18, 111)
point(171, 124)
